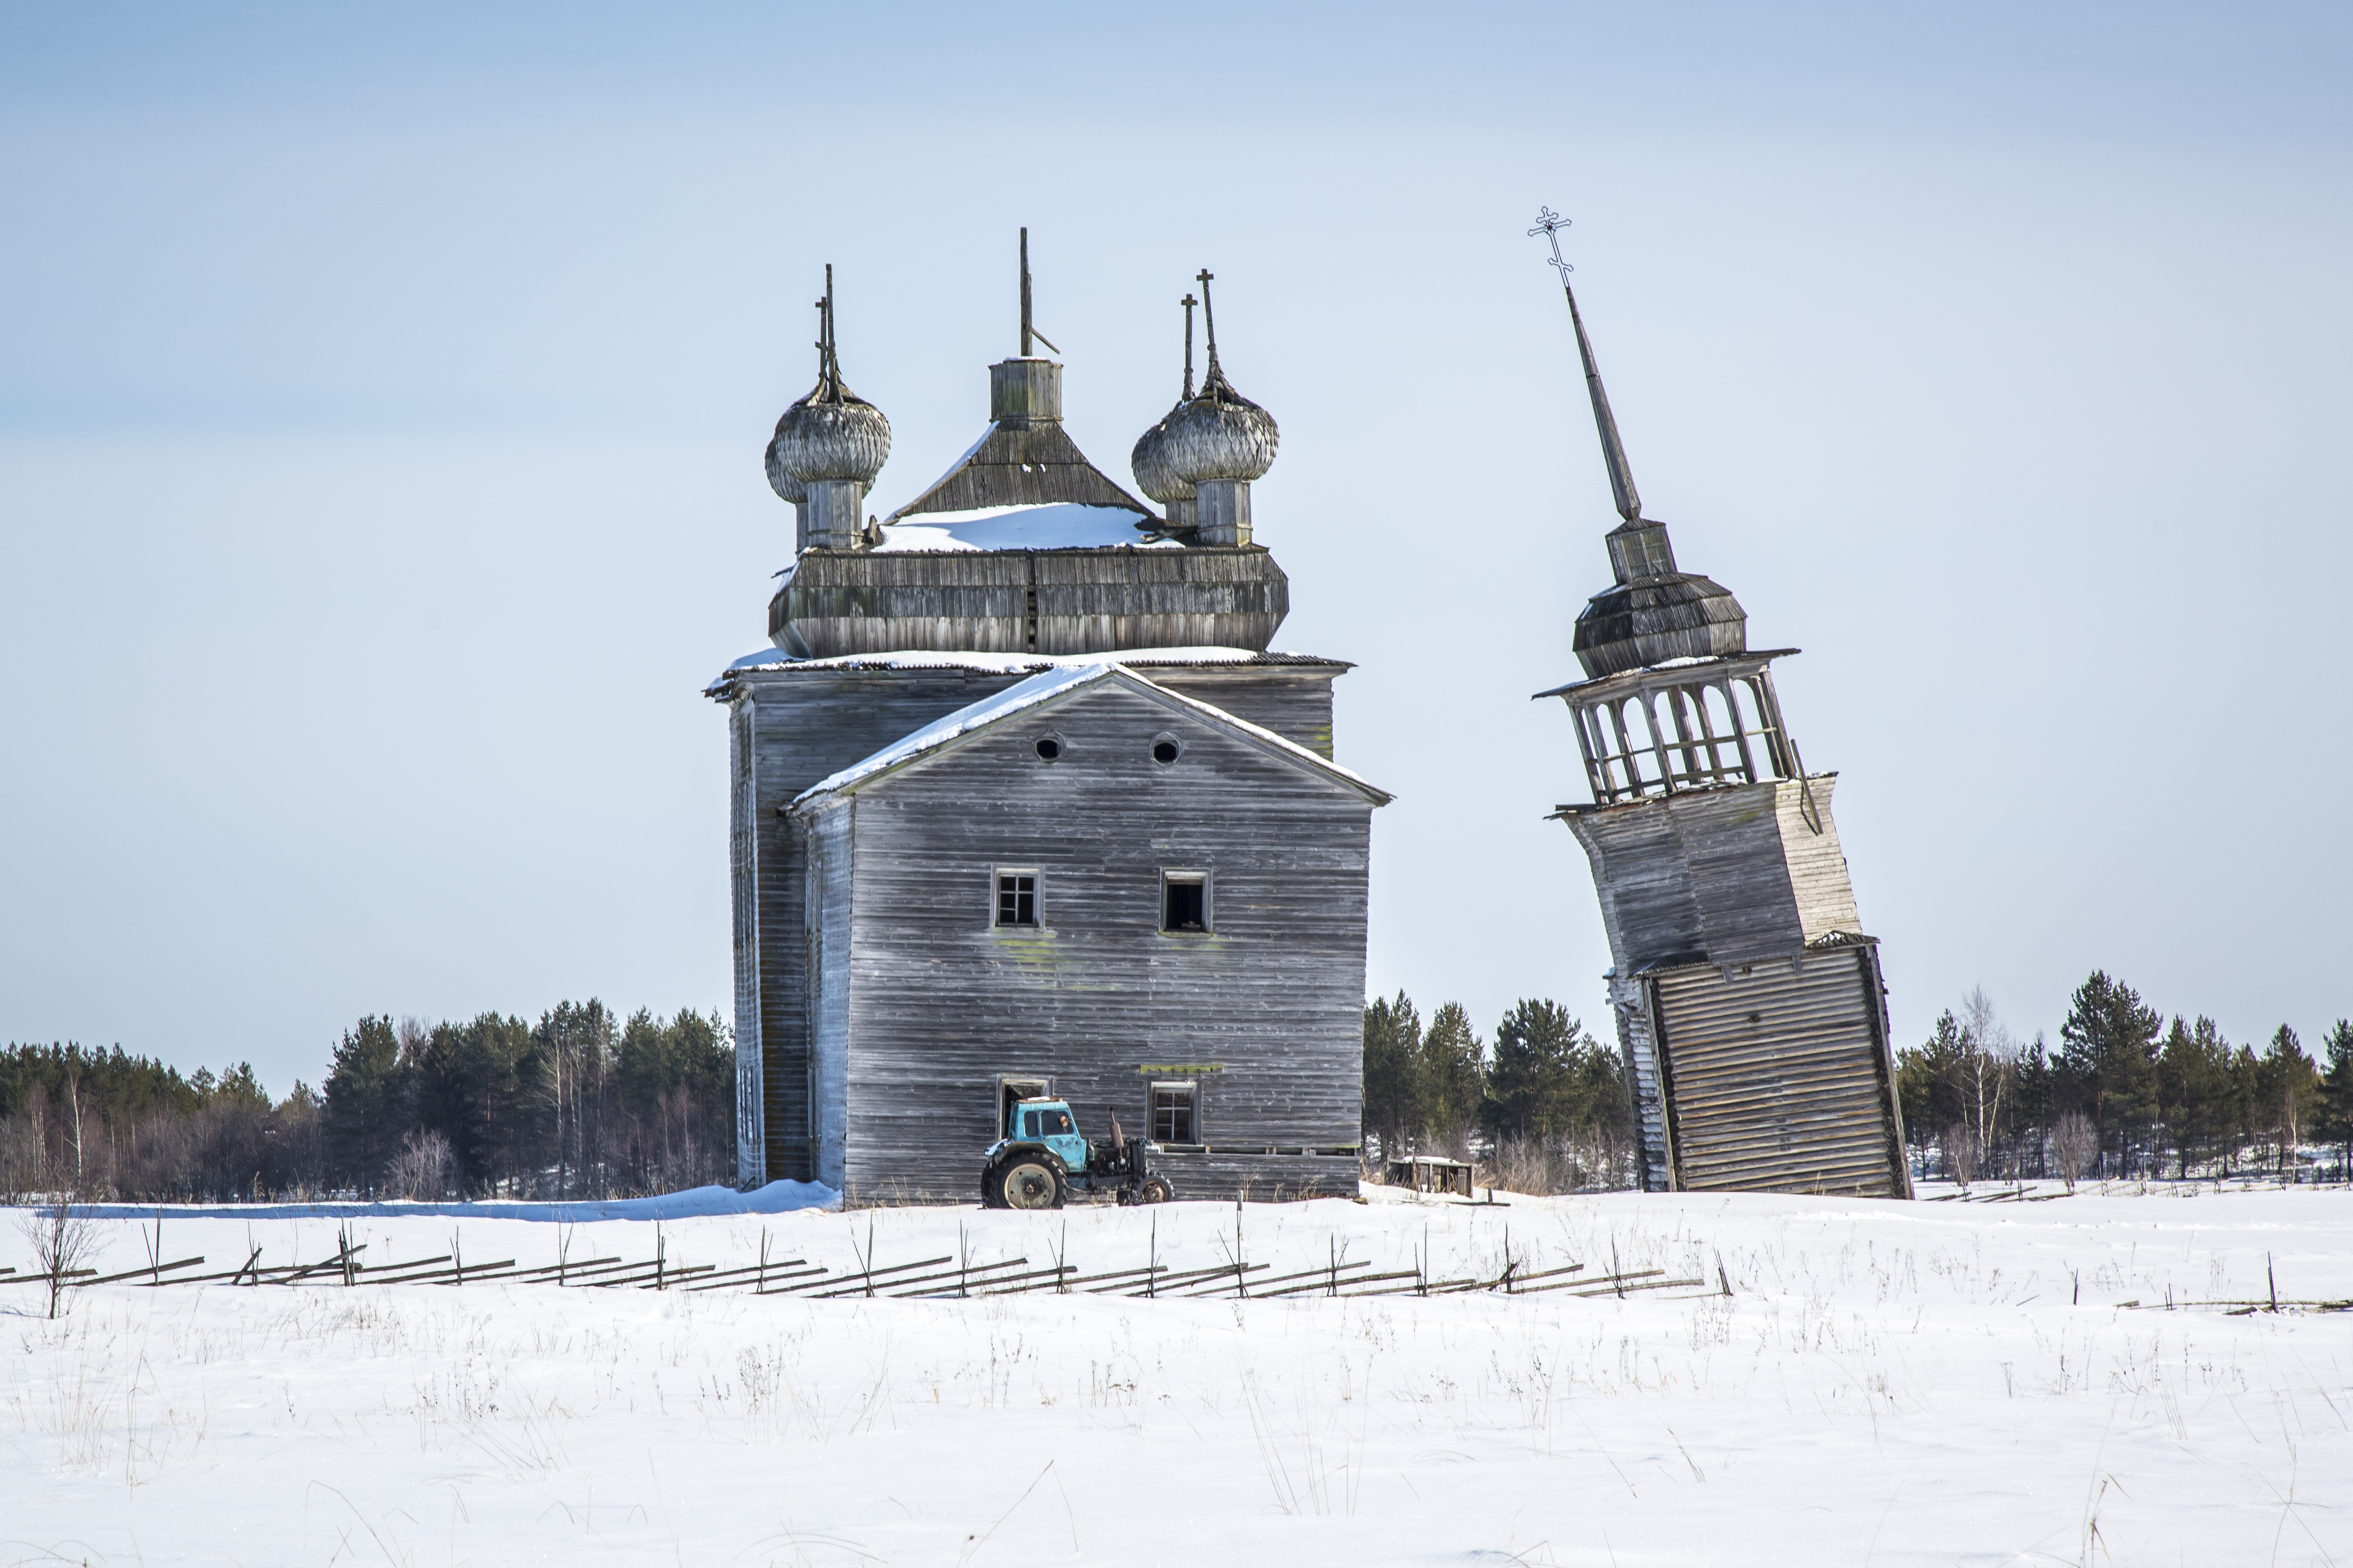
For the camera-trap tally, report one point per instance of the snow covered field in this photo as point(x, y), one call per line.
point(1926, 1383)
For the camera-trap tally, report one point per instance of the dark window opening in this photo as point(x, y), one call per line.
point(1048, 748)
point(1173, 1120)
point(1185, 903)
point(1017, 898)
point(1166, 750)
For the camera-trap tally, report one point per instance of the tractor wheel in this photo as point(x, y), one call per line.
point(1156, 1190)
point(992, 1193)
point(1030, 1182)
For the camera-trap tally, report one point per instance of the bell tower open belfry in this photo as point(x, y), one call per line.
point(1751, 1015)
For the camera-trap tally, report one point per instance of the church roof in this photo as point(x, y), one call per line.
point(1050, 688)
point(1026, 462)
point(774, 660)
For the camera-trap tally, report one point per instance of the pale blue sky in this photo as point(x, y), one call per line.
point(381, 399)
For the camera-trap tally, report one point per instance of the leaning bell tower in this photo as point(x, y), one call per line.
point(1751, 1016)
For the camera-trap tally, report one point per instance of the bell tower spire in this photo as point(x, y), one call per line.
point(1613, 451)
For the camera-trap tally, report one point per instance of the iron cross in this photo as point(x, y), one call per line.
point(1549, 224)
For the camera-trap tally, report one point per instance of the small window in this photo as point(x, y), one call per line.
point(1184, 900)
point(1017, 898)
point(1173, 1105)
point(1166, 749)
point(1050, 748)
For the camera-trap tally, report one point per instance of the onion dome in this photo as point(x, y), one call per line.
point(832, 434)
point(1155, 475)
point(787, 487)
point(1220, 434)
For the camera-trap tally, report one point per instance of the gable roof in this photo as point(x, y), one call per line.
point(1052, 687)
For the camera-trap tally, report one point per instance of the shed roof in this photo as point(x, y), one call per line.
point(1048, 688)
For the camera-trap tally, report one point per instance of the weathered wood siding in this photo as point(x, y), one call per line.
point(942, 1002)
point(1029, 601)
point(788, 729)
point(744, 879)
point(1733, 874)
point(832, 856)
point(1778, 1076)
point(1295, 701)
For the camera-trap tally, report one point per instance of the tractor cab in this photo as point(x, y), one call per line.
point(1049, 1121)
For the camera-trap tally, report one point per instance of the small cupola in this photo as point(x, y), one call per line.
point(829, 446)
point(1151, 463)
point(1218, 442)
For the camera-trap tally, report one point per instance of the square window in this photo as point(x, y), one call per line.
point(1017, 898)
point(1173, 1113)
point(1184, 900)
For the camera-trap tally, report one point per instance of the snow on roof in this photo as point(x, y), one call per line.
point(939, 732)
point(1012, 663)
point(1042, 688)
point(1060, 526)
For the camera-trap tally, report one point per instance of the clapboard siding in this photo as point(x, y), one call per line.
point(791, 727)
point(942, 1001)
point(1778, 1078)
point(1036, 601)
point(742, 812)
point(831, 857)
point(1296, 704)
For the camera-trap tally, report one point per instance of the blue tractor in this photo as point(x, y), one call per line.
point(1042, 1156)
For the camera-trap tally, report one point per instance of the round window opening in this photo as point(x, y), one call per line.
point(1049, 747)
point(1164, 749)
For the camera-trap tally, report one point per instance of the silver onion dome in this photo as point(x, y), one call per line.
point(831, 434)
point(787, 487)
point(1156, 474)
point(1220, 434)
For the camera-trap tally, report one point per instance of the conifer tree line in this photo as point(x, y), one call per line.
point(2124, 1094)
point(581, 1104)
point(1543, 1107)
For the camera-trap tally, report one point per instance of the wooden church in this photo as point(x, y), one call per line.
point(1750, 1011)
point(1022, 804)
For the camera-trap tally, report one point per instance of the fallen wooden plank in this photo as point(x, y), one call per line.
point(967, 1274)
point(1345, 1279)
point(150, 1270)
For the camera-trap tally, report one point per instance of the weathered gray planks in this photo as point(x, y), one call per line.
point(1028, 601)
point(1263, 1011)
point(792, 725)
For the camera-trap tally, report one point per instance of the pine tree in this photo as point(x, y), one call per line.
point(2287, 1093)
point(1530, 1082)
point(2194, 1090)
point(2108, 1053)
point(368, 1108)
point(2337, 1093)
point(1393, 1105)
point(1453, 1077)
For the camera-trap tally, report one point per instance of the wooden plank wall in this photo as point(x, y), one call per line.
point(832, 860)
point(744, 880)
point(1036, 601)
point(806, 724)
point(942, 1001)
point(1774, 1078)
point(1734, 873)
